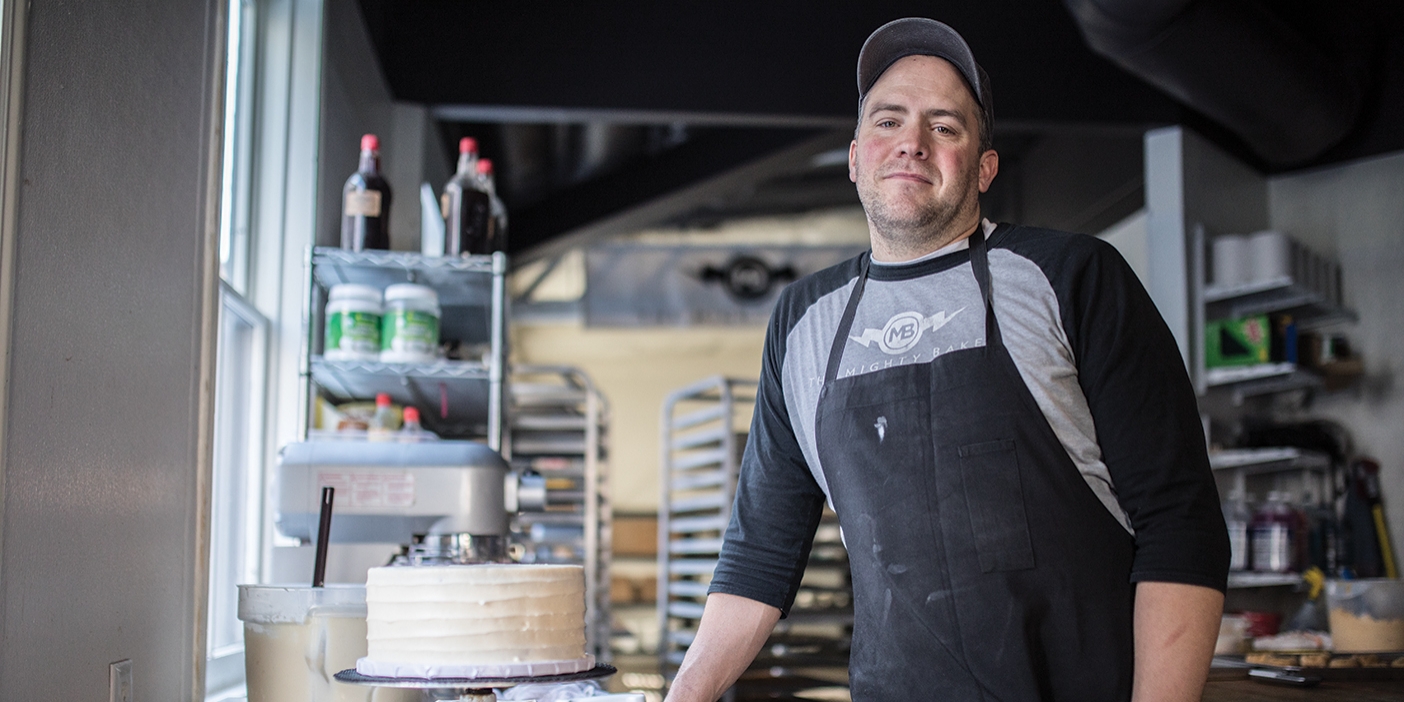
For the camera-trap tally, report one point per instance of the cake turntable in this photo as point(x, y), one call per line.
point(470, 689)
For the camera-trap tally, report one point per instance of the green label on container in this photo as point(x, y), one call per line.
point(357, 332)
point(410, 331)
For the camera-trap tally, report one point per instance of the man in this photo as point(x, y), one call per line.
point(1001, 421)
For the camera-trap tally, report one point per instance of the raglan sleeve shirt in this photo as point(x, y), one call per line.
point(778, 503)
point(1147, 422)
point(1143, 408)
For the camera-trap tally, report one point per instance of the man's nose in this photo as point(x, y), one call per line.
point(914, 143)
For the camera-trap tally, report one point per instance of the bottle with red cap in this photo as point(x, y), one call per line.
point(497, 234)
point(467, 207)
point(412, 431)
point(365, 202)
point(383, 423)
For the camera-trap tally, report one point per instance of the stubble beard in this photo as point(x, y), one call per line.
point(930, 225)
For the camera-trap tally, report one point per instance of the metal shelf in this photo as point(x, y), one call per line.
point(1269, 460)
point(1272, 468)
point(1244, 579)
point(1262, 379)
point(1308, 307)
point(453, 395)
point(460, 280)
point(457, 399)
point(464, 283)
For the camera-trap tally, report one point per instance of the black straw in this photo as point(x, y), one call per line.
point(319, 569)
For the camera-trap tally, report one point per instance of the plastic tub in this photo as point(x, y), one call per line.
point(353, 323)
point(409, 331)
point(1367, 616)
point(296, 637)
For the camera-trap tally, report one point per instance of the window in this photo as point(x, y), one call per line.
point(267, 216)
point(237, 483)
point(240, 379)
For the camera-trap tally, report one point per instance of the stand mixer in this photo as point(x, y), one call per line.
point(444, 501)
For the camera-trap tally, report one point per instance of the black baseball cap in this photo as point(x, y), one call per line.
point(919, 36)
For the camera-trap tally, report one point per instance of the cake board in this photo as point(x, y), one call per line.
point(470, 689)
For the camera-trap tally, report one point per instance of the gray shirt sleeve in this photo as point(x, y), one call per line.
point(778, 503)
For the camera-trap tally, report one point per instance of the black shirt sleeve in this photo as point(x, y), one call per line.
point(778, 503)
point(1147, 421)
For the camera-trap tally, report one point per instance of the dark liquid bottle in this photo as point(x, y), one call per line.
point(467, 207)
point(365, 203)
point(497, 226)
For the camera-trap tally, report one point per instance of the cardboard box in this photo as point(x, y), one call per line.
point(633, 590)
point(635, 535)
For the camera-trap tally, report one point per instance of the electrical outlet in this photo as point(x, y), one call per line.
point(119, 681)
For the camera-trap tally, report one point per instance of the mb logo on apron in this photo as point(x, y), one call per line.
point(904, 330)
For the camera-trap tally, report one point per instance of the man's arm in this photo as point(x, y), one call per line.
point(1176, 626)
point(731, 633)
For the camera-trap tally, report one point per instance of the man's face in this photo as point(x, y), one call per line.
point(916, 156)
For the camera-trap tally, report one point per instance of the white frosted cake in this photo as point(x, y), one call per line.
point(473, 621)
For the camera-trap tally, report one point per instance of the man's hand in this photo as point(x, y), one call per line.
point(1175, 629)
point(731, 632)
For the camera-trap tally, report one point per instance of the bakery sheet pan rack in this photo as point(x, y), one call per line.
point(704, 429)
point(558, 427)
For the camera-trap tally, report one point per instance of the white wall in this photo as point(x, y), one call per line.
point(111, 350)
point(636, 369)
point(356, 100)
point(1129, 238)
point(1191, 183)
point(1355, 212)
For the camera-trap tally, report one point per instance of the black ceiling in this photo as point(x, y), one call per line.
point(729, 57)
point(692, 88)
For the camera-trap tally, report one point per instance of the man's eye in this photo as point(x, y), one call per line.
point(887, 123)
point(943, 129)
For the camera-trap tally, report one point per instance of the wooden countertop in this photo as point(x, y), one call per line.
point(1235, 686)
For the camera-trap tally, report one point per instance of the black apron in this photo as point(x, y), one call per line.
point(984, 567)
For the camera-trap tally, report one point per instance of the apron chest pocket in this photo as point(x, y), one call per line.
point(994, 499)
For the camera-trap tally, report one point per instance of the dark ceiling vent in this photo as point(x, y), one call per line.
point(1291, 96)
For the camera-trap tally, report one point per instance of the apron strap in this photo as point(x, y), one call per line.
point(846, 322)
point(980, 264)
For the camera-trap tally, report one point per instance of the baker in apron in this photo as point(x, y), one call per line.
point(1026, 501)
point(948, 596)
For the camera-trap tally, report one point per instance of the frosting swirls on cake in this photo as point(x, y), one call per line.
point(489, 618)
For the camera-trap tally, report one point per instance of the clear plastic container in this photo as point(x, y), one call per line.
point(296, 637)
point(1274, 536)
point(1238, 517)
point(412, 431)
point(409, 331)
point(383, 423)
point(353, 323)
point(1367, 616)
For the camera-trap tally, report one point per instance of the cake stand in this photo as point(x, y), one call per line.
point(469, 689)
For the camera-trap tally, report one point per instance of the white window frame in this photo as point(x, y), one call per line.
point(271, 181)
point(241, 525)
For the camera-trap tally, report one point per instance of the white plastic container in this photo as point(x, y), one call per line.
point(353, 323)
point(1230, 260)
point(1367, 616)
point(297, 637)
point(1269, 256)
point(409, 331)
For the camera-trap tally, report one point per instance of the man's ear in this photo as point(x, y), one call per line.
point(989, 168)
point(852, 161)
